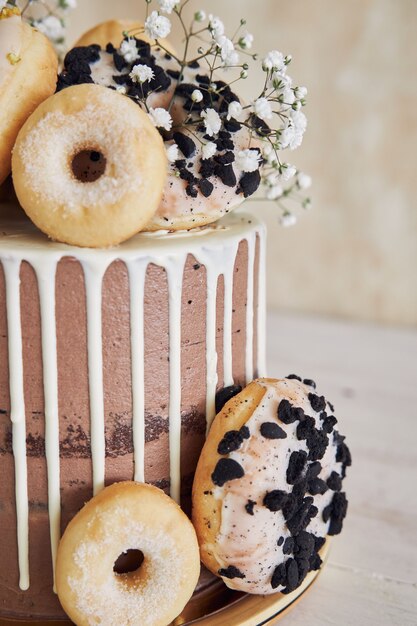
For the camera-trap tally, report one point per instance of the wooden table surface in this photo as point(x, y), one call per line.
point(370, 373)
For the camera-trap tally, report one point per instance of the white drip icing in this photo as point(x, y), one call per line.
point(46, 273)
point(93, 276)
point(251, 239)
point(11, 269)
point(137, 276)
point(216, 249)
point(261, 320)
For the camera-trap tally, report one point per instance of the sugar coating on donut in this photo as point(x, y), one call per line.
point(278, 489)
point(115, 600)
point(127, 516)
point(62, 135)
point(199, 190)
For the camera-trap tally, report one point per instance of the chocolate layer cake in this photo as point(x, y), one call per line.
point(109, 365)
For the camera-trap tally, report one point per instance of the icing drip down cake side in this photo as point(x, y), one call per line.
point(109, 365)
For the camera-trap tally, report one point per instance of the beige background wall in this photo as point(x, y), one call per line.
point(355, 254)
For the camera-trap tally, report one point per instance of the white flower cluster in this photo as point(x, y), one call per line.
point(47, 17)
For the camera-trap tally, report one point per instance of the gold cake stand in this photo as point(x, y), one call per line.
point(216, 605)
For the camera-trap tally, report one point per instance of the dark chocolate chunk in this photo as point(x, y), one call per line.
point(194, 64)
point(329, 422)
point(293, 377)
point(225, 394)
point(206, 187)
point(304, 545)
point(335, 481)
point(225, 470)
point(318, 403)
point(110, 48)
point(225, 159)
point(279, 577)
point(259, 125)
point(313, 470)
point(249, 183)
point(303, 565)
point(191, 190)
point(270, 430)
point(292, 575)
point(296, 467)
point(309, 382)
point(249, 507)
point(274, 500)
point(317, 486)
point(331, 407)
point(319, 543)
point(280, 541)
point(339, 506)
point(302, 516)
point(196, 266)
point(317, 440)
point(231, 441)
point(226, 174)
point(245, 432)
point(288, 545)
point(232, 126)
point(207, 168)
point(185, 144)
point(119, 62)
point(174, 74)
point(231, 572)
point(288, 413)
point(315, 562)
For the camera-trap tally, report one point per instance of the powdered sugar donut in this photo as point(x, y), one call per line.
point(205, 176)
point(268, 484)
point(28, 70)
point(89, 167)
point(127, 517)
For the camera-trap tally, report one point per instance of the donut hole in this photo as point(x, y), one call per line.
point(128, 562)
point(88, 165)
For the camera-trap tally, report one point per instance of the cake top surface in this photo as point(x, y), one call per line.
point(20, 237)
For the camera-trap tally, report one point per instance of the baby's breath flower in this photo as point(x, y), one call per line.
point(287, 172)
point(246, 41)
point(262, 108)
point(248, 160)
point(227, 51)
point(141, 73)
point(157, 26)
point(299, 122)
point(234, 110)
point(288, 219)
point(200, 16)
point(304, 180)
point(209, 150)
point(128, 50)
point(301, 92)
point(212, 121)
point(216, 26)
point(196, 96)
point(121, 89)
point(167, 6)
point(160, 118)
point(274, 60)
point(274, 192)
point(172, 153)
point(50, 26)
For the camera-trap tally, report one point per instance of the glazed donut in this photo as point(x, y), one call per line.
point(123, 517)
point(89, 167)
point(267, 488)
point(113, 32)
point(198, 190)
point(28, 74)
